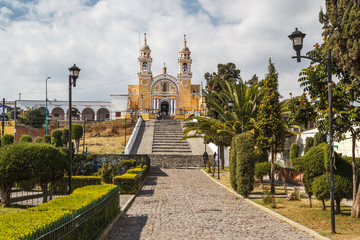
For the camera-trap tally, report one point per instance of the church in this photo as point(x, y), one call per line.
point(165, 93)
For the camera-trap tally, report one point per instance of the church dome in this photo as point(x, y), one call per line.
point(184, 49)
point(145, 47)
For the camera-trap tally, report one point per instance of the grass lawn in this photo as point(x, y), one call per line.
point(104, 145)
point(299, 211)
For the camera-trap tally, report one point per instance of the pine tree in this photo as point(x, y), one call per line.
point(270, 126)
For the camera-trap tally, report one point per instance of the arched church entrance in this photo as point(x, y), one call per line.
point(164, 107)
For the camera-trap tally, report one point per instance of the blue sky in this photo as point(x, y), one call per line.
point(41, 38)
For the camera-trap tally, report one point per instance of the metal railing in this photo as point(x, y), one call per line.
point(86, 223)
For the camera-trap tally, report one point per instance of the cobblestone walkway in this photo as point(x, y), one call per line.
point(186, 204)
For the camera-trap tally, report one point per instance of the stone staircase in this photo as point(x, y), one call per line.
point(166, 138)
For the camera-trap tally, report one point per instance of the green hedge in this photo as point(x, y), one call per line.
point(128, 163)
point(62, 186)
point(54, 213)
point(130, 181)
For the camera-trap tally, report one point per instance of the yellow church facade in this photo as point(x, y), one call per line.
point(165, 93)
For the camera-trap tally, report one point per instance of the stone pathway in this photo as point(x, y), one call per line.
point(186, 204)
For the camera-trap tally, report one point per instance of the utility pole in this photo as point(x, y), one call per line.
point(84, 135)
point(3, 118)
point(15, 115)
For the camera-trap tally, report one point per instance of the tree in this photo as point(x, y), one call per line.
point(56, 139)
point(221, 129)
point(77, 133)
point(345, 105)
point(14, 166)
point(301, 111)
point(271, 128)
point(49, 165)
point(34, 118)
point(341, 25)
point(25, 139)
point(7, 139)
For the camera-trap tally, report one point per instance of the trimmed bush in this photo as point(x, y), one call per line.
point(262, 169)
point(38, 140)
point(342, 188)
point(7, 139)
point(319, 138)
point(128, 163)
point(47, 139)
point(107, 172)
point(309, 143)
point(65, 136)
point(22, 224)
point(62, 186)
point(77, 133)
point(25, 139)
point(245, 163)
point(128, 182)
point(294, 151)
point(14, 166)
point(232, 165)
point(261, 156)
point(56, 139)
point(135, 170)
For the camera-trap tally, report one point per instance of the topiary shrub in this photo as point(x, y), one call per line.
point(128, 182)
point(319, 138)
point(25, 139)
point(47, 139)
point(262, 169)
point(77, 133)
point(65, 136)
point(245, 163)
point(15, 165)
point(308, 144)
point(107, 172)
point(38, 140)
point(128, 163)
point(342, 188)
point(56, 139)
point(232, 165)
point(294, 151)
point(7, 139)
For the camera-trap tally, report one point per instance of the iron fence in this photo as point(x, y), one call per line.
point(86, 223)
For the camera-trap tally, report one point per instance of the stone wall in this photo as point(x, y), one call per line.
point(91, 167)
point(171, 161)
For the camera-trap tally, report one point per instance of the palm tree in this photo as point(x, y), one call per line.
point(222, 129)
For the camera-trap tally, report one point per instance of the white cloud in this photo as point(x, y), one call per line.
point(50, 35)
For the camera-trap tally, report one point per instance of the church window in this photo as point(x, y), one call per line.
point(144, 66)
point(184, 67)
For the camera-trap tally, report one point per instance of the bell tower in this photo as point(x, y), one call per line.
point(184, 76)
point(145, 76)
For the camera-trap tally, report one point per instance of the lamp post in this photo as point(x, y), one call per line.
point(74, 74)
point(46, 110)
point(297, 38)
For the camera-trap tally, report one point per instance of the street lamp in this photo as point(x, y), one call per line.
point(230, 104)
point(74, 74)
point(46, 110)
point(297, 38)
